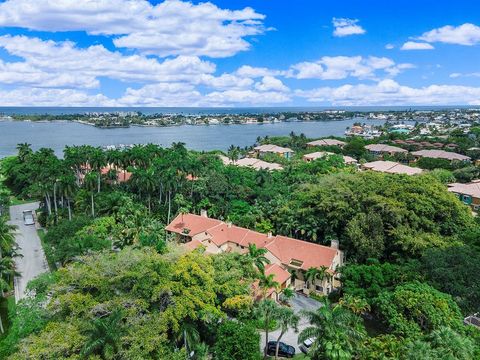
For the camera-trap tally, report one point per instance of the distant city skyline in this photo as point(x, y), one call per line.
point(239, 54)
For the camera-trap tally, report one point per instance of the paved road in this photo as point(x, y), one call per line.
point(298, 303)
point(33, 262)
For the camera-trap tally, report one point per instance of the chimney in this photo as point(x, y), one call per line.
point(229, 224)
point(269, 234)
point(334, 244)
point(203, 213)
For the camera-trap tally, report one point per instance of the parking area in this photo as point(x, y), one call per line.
point(299, 303)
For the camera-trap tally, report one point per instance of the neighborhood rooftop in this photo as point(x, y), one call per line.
point(391, 167)
point(289, 251)
point(382, 148)
point(472, 189)
point(440, 154)
point(320, 154)
point(273, 149)
point(327, 142)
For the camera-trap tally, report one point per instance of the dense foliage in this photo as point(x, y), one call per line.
point(122, 289)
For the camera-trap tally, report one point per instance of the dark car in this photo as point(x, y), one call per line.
point(284, 350)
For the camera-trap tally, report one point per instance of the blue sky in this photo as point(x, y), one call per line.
point(239, 53)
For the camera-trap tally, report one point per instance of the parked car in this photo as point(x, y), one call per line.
point(306, 345)
point(284, 350)
point(28, 217)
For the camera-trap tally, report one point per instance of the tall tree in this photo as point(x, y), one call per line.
point(103, 336)
point(336, 332)
point(287, 319)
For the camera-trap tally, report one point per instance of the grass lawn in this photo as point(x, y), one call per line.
point(16, 201)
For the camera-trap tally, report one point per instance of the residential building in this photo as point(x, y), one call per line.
point(469, 193)
point(327, 142)
point(440, 154)
point(320, 154)
point(382, 149)
point(391, 167)
point(273, 149)
point(253, 163)
point(289, 258)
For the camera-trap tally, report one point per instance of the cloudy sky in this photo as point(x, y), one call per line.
point(239, 53)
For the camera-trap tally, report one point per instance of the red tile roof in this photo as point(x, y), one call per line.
point(309, 254)
point(303, 254)
point(280, 275)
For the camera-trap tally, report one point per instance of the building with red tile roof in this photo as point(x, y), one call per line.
point(293, 256)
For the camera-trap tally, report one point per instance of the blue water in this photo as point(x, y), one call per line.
point(57, 134)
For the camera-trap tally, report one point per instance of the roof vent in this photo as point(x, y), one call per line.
point(229, 224)
point(334, 244)
point(269, 234)
point(203, 213)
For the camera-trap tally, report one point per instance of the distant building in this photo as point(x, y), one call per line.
point(289, 258)
point(382, 149)
point(469, 193)
point(273, 149)
point(440, 154)
point(320, 154)
point(391, 167)
point(327, 142)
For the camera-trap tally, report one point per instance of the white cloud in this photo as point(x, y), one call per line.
point(172, 27)
point(257, 72)
point(413, 45)
point(163, 94)
point(251, 97)
point(389, 46)
point(24, 96)
point(346, 27)
point(69, 65)
point(341, 67)
point(466, 34)
point(458, 75)
point(270, 83)
point(389, 92)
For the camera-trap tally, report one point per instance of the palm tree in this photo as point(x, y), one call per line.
point(266, 310)
point(90, 183)
point(189, 335)
point(286, 295)
point(67, 189)
point(258, 257)
point(286, 318)
point(97, 161)
point(267, 282)
point(7, 236)
point(336, 332)
point(103, 336)
point(314, 273)
point(24, 150)
point(233, 153)
point(355, 304)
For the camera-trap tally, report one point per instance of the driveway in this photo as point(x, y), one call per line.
point(298, 303)
point(33, 262)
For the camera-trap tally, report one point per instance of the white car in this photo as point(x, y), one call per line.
point(28, 217)
point(306, 345)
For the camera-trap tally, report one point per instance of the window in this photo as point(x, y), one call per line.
point(319, 288)
point(296, 263)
